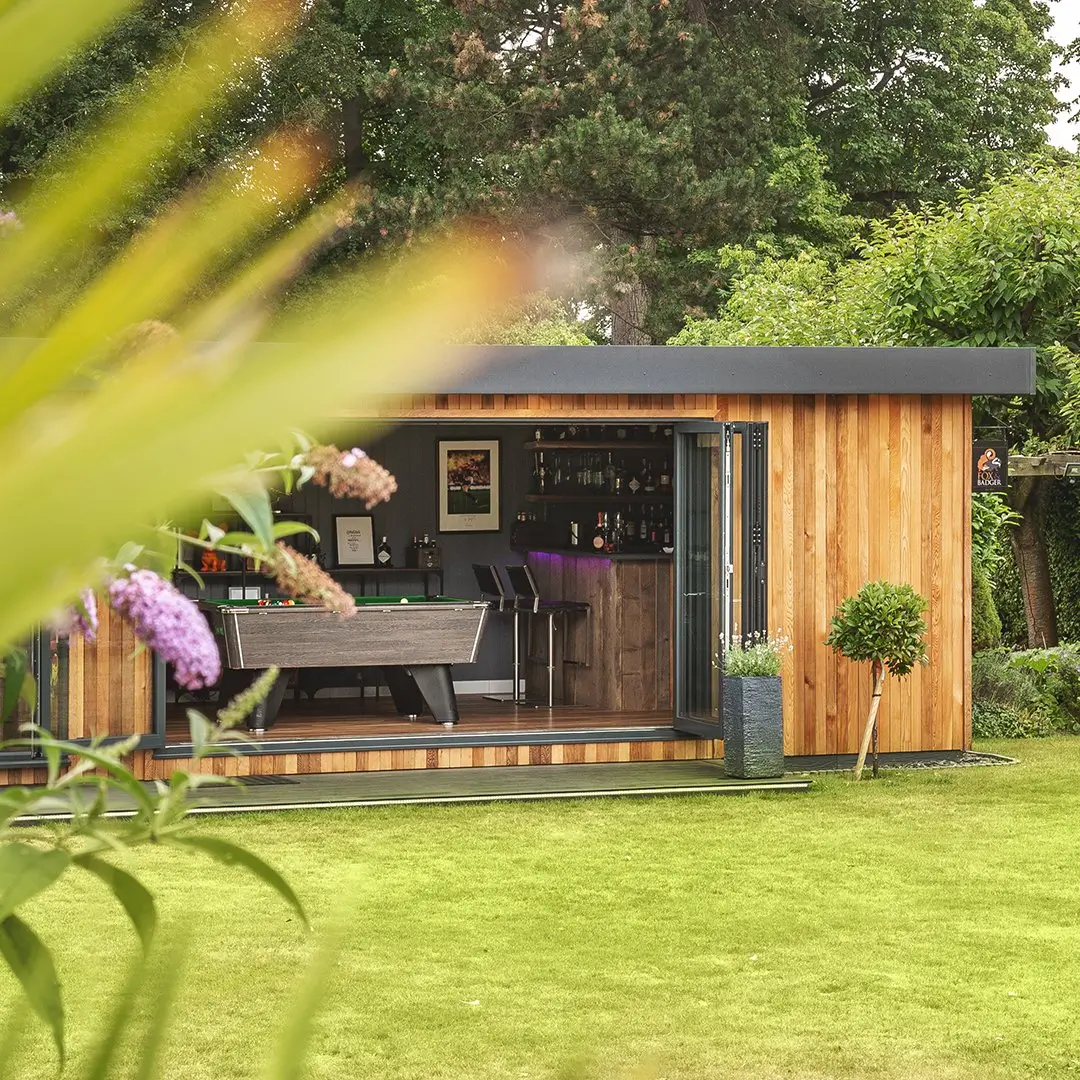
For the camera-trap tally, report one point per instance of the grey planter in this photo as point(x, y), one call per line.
point(753, 727)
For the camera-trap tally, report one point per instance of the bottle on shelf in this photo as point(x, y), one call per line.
point(648, 481)
point(615, 533)
point(665, 477)
point(609, 475)
point(383, 555)
point(599, 537)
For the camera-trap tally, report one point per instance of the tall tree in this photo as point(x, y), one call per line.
point(1002, 268)
point(913, 99)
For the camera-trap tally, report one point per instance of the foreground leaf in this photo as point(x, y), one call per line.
point(25, 871)
point(233, 855)
point(32, 965)
point(133, 896)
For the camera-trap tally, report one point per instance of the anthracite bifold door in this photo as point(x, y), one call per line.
point(721, 481)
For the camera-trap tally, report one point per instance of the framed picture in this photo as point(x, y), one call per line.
point(354, 540)
point(469, 485)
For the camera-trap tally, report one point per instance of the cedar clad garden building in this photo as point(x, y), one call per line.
point(668, 498)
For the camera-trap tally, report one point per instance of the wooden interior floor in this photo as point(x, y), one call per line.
point(329, 718)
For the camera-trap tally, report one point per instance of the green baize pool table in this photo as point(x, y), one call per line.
point(413, 639)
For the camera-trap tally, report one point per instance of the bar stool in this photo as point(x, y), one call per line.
point(527, 598)
point(489, 582)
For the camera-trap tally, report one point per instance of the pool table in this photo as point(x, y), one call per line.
point(414, 639)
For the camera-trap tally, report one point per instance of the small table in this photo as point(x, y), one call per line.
point(414, 639)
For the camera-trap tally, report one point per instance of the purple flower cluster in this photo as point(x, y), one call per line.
point(170, 624)
point(84, 617)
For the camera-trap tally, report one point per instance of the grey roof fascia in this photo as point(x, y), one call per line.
point(702, 369)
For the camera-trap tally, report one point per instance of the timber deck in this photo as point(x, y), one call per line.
point(347, 718)
point(417, 787)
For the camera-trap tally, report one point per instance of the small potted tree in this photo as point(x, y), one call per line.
point(753, 706)
point(881, 623)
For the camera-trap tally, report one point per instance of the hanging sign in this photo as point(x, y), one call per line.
point(989, 466)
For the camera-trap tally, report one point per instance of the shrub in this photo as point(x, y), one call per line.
point(985, 622)
point(1041, 683)
point(996, 720)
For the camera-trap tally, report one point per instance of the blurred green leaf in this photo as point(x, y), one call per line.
point(36, 36)
point(254, 507)
point(232, 855)
point(25, 871)
point(32, 965)
point(15, 673)
point(133, 896)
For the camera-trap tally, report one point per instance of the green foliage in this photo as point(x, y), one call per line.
point(90, 840)
point(883, 624)
point(985, 622)
point(997, 720)
point(990, 515)
point(1038, 688)
point(912, 100)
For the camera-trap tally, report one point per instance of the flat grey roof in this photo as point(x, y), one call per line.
point(701, 369)
point(704, 369)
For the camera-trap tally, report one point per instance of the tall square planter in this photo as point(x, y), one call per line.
point(753, 727)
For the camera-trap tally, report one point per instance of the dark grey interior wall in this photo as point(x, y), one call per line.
point(408, 451)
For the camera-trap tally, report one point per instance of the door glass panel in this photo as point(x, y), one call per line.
point(701, 569)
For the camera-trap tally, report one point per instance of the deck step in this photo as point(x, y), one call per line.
point(492, 784)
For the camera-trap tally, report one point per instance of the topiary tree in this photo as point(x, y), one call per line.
point(882, 623)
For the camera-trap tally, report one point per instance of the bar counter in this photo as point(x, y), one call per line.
point(627, 665)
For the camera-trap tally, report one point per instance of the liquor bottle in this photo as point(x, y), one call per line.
point(541, 474)
point(382, 554)
point(609, 475)
point(597, 473)
point(654, 529)
point(665, 477)
point(630, 527)
point(643, 527)
point(599, 538)
point(619, 483)
point(666, 533)
point(648, 483)
point(426, 542)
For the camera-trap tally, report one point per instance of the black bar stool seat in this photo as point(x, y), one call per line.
point(527, 598)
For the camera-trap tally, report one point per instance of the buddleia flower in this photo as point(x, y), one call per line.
point(168, 622)
point(303, 579)
point(350, 474)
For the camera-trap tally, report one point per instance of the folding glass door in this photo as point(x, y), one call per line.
point(720, 583)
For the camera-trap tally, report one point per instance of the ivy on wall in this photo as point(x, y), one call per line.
point(1063, 543)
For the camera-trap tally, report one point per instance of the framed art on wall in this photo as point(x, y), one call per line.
point(469, 485)
point(354, 540)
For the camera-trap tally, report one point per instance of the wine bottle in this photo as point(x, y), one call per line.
point(665, 477)
point(648, 484)
point(599, 539)
point(383, 555)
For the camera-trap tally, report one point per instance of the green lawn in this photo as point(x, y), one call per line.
point(927, 925)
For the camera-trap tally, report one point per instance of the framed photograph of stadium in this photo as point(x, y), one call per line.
point(469, 482)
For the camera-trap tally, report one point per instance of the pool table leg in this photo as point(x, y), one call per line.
point(423, 687)
point(236, 680)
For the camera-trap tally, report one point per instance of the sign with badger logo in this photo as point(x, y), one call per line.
point(989, 465)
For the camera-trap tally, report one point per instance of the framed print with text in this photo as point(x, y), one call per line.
point(354, 540)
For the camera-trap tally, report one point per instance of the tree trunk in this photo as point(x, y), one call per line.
point(871, 720)
point(629, 298)
point(357, 160)
point(1029, 497)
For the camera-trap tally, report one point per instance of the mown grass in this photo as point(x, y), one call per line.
point(927, 925)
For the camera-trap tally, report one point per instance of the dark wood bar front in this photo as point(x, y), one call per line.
point(627, 663)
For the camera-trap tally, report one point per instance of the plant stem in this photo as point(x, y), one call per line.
point(871, 720)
